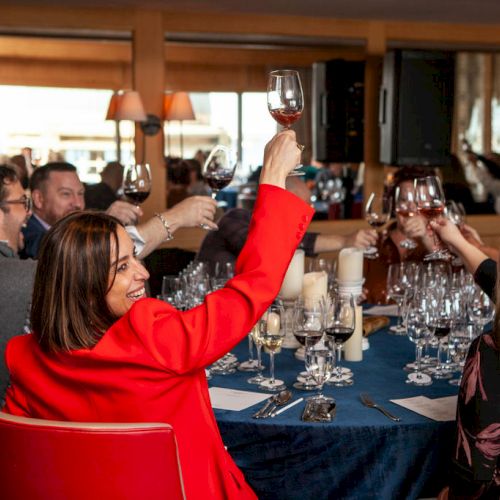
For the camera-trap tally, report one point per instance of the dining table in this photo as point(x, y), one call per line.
point(361, 454)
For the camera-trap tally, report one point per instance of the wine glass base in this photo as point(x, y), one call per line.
point(371, 253)
point(341, 381)
point(268, 385)
point(249, 366)
point(455, 381)
point(257, 380)
point(408, 244)
point(438, 374)
point(410, 367)
point(208, 228)
point(301, 386)
point(419, 378)
point(397, 330)
point(438, 255)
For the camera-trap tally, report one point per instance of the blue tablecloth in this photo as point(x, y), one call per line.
point(361, 454)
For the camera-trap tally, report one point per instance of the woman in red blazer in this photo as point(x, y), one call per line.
point(102, 351)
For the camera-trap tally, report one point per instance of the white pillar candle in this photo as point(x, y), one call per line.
point(273, 323)
point(350, 266)
point(292, 284)
point(314, 287)
point(353, 348)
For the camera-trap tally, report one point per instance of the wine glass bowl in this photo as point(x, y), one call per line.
point(377, 214)
point(218, 169)
point(285, 99)
point(406, 207)
point(137, 182)
point(431, 201)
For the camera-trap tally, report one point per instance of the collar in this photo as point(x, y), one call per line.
point(5, 250)
point(42, 222)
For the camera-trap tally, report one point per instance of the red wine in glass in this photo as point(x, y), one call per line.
point(311, 336)
point(218, 170)
point(136, 196)
point(218, 182)
point(285, 118)
point(137, 182)
point(339, 334)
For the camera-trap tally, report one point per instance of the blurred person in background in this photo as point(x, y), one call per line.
point(179, 178)
point(102, 195)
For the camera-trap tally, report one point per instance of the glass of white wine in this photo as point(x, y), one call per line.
point(272, 335)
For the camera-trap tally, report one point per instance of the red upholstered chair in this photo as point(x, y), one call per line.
point(44, 459)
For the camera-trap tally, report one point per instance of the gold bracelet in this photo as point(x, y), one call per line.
point(166, 226)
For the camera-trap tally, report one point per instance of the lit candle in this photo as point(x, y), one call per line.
point(314, 287)
point(350, 268)
point(273, 323)
point(292, 283)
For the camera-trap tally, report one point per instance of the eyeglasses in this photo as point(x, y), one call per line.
point(25, 200)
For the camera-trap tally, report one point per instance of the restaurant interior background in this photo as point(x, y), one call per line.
point(60, 63)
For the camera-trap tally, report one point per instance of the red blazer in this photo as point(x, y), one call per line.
point(149, 366)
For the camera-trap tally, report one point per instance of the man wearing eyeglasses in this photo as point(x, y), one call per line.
point(16, 276)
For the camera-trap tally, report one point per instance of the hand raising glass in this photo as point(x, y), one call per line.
point(285, 100)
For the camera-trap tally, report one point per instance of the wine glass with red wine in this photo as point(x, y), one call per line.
point(339, 322)
point(285, 100)
point(377, 214)
point(137, 182)
point(218, 170)
point(430, 204)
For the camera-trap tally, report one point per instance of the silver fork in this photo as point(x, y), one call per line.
point(367, 401)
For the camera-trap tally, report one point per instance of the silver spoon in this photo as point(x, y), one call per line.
point(274, 401)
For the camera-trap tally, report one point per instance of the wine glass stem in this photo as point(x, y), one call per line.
point(259, 358)
point(339, 357)
point(271, 364)
point(250, 349)
point(214, 194)
point(419, 357)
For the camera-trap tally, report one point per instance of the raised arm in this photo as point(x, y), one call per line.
point(182, 342)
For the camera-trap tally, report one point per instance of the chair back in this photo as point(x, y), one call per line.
point(41, 459)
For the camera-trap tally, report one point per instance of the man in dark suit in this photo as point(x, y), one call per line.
point(57, 191)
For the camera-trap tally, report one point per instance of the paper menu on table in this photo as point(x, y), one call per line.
point(232, 399)
point(391, 310)
point(439, 409)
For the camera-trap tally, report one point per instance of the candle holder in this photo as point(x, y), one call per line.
point(289, 342)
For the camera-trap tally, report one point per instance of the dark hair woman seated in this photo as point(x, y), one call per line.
point(101, 351)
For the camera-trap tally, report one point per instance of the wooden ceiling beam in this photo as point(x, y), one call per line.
point(16, 47)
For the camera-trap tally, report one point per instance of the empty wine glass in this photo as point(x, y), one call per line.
point(406, 207)
point(377, 213)
point(418, 333)
point(430, 204)
point(272, 335)
point(308, 330)
point(320, 361)
point(285, 100)
point(218, 169)
point(339, 321)
point(137, 182)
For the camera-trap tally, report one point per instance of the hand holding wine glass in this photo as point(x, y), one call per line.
point(137, 182)
point(406, 207)
point(377, 214)
point(218, 170)
point(285, 100)
point(430, 203)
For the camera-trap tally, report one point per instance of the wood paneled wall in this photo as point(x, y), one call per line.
point(110, 64)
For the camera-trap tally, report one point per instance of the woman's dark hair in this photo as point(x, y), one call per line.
point(178, 171)
point(69, 309)
point(408, 173)
point(7, 177)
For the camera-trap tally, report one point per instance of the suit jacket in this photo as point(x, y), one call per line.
point(16, 277)
point(225, 244)
point(149, 366)
point(33, 234)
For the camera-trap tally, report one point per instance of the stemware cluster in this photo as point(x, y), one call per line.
point(447, 311)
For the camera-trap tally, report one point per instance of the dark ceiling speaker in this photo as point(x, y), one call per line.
point(151, 126)
point(416, 107)
point(338, 93)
